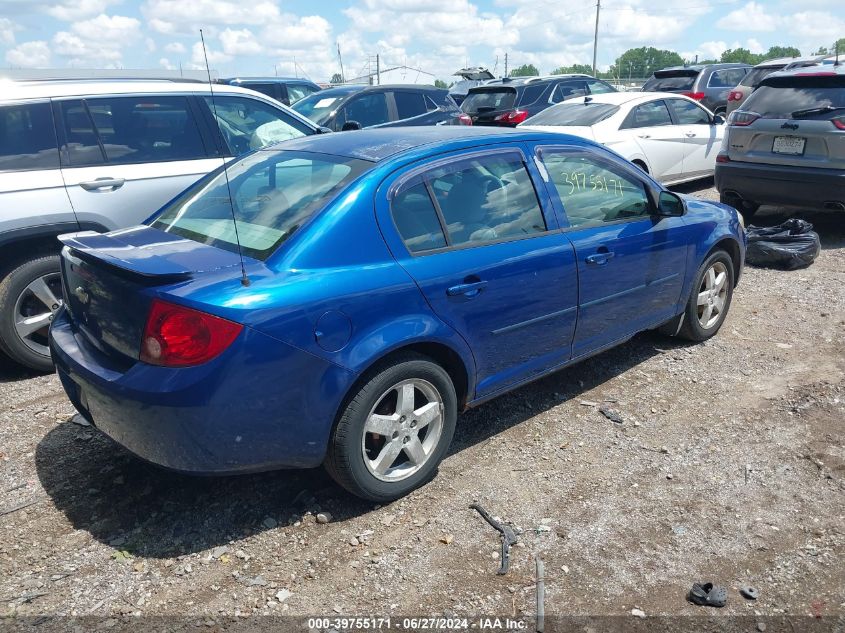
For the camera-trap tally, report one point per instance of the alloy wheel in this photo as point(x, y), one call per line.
point(712, 295)
point(34, 310)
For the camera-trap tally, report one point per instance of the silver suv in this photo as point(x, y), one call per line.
point(101, 155)
point(786, 145)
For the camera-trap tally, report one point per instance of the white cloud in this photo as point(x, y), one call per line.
point(175, 47)
point(151, 45)
point(35, 54)
point(72, 10)
point(7, 32)
point(186, 17)
point(214, 57)
point(111, 28)
point(165, 63)
point(98, 40)
point(240, 42)
point(752, 17)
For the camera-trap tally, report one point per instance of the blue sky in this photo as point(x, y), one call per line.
point(265, 37)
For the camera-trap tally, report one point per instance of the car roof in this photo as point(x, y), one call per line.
point(272, 80)
point(52, 88)
point(700, 67)
point(783, 61)
point(377, 145)
point(809, 71)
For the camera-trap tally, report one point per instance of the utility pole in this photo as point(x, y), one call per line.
point(378, 69)
point(340, 59)
point(596, 36)
point(506, 64)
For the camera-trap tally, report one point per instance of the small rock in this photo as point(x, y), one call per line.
point(283, 594)
point(78, 419)
point(324, 517)
point(353, 542)
point(761, 626)
point(337, 609)
point(218, 551)
point(269, 523)
point(446, 539)
point(638, 613)
point(387, 519)
point(565, 569)
point(258, 581)
point(669, 476)
point(612, 415)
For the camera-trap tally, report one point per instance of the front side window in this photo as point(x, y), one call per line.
point(367, 109)
point(272, 194)
point(409, 104)
point(689, 113)
point(476, 200)
point(593, 190)
point(568, 90)
point(651, 114)
point(531, 94)
point(27, 138)
point(580, 114)
point(247, 124)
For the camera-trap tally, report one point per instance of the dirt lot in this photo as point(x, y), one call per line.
point(729, 466)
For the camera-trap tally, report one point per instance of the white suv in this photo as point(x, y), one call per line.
point(101, 155)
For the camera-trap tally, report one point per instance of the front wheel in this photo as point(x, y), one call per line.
point(710, 298)
point(395, 430)
point(29, 297)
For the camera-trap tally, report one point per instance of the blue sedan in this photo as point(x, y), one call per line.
point(339, 299)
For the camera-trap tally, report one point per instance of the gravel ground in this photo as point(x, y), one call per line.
point(729, 466)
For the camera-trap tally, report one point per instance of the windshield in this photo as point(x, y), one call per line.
point(273, 193)
point(781, 98)
point(579, 113)
point(683, 80)
point(756, 75)
point(489, 100)
point(319, 106)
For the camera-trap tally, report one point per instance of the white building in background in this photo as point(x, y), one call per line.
point(395, 75)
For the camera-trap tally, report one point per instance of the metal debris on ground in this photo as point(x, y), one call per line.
point(508, 537)
point(611, 415)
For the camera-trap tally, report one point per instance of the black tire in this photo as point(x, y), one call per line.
point(692, 329)
point(11, 288)
point(744, 207)
point(345, 457)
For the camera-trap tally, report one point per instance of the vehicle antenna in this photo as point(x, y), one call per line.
point(244, 278)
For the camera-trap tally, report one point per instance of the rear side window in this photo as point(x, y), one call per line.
point(726, 78)
point(671, 82)
point(27, 138)
point(568, 90)
point(689, 113)
point(598, 87)
point(531, 94)
point(802, 97)
point(247, 124)
point(651, 114)
point(486, 198)
point(273, 194)
point(489, 100)
point(409, 104)
point(594, 191)
point(416, 218)
point(271, 90)
point(754, 76)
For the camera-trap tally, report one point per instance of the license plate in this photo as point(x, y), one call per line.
point(793, 145)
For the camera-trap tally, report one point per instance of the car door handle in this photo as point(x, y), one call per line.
point(469, 289)
point(690, 134)
point(102, 183)
point(599, 259)
point(644, 136)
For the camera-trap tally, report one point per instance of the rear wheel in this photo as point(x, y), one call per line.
point(710, 298)
point(30, 295)
point(395, 431)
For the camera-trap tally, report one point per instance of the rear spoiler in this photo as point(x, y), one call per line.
point(147, 253)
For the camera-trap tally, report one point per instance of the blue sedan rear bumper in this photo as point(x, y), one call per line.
point(261, 405)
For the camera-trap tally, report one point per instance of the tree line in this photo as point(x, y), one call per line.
point(643, 61)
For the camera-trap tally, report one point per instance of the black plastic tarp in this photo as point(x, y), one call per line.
point(793, 244)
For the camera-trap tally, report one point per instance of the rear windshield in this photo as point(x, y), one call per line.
point(756, 75)
point(573, 114)
point(682, 80)
point(798, 97)
point(489, 100)
point(273, 193)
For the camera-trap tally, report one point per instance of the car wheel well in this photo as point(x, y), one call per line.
point(18, 251)
point(641, 164)
point(732, 249)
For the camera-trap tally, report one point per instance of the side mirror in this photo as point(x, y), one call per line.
point(718, 120)
point(350, 125)
point(323, 130)
point(670, 204)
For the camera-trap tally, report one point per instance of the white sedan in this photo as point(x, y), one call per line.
point(670, 136)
